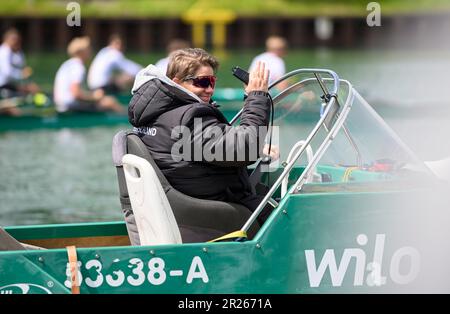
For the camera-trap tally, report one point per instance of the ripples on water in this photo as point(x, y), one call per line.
point(58, 176)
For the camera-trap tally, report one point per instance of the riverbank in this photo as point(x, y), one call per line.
point(150, 25)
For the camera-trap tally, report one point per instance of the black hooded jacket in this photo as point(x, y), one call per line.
point(177, 129)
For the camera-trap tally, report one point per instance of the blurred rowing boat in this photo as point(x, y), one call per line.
point(35, 116)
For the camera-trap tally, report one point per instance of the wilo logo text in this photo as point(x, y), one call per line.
point(375, 271)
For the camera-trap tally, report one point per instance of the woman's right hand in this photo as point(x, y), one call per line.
point(258, 79)
point(274, 151)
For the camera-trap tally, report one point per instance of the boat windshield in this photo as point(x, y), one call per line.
point(363, 142)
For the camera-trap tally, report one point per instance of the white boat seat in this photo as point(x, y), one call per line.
point(155, 221)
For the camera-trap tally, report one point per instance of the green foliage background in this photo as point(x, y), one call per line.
point(176, 8)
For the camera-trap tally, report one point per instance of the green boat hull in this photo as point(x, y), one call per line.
point(332, 238)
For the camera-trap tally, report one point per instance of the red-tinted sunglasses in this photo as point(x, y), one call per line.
point(202, 81)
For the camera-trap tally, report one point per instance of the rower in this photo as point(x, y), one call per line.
point(68, 92)
point(110, 70)
point(13, 73)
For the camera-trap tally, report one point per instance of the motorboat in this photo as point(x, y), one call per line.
point(354, 211)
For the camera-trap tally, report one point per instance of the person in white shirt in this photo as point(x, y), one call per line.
point(69, 94)
point(13, 71)
point(110, 70)
point(174, 44)
point(276, 48)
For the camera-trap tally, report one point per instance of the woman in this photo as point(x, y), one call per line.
point(191, 141)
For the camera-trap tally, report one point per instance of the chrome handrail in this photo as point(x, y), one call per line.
point(290, 74)
point(290, 165)
point(327, 141)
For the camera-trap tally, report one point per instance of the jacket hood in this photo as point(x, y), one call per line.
point(151, 72)
point(153, 94)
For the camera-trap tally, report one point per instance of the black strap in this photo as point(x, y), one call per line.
point(256, 175)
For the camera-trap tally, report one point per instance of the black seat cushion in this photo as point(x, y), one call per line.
point(199, 219)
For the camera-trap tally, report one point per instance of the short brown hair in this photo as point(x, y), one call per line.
point(276, 43)
point(78, 44)
point(10, 32)
point(114, 37)
point(185, 62)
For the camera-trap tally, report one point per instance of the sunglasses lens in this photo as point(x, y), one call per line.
point(204, 82)
point(212, 80)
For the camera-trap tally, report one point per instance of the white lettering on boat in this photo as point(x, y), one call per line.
point(193, 273)
point(117, 278)
point(375, 276)
point(23, 288)
point(156, 275)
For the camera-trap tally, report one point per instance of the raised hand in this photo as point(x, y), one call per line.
point(258, 78)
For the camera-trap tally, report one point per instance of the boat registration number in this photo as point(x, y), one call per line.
point(135, 273)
